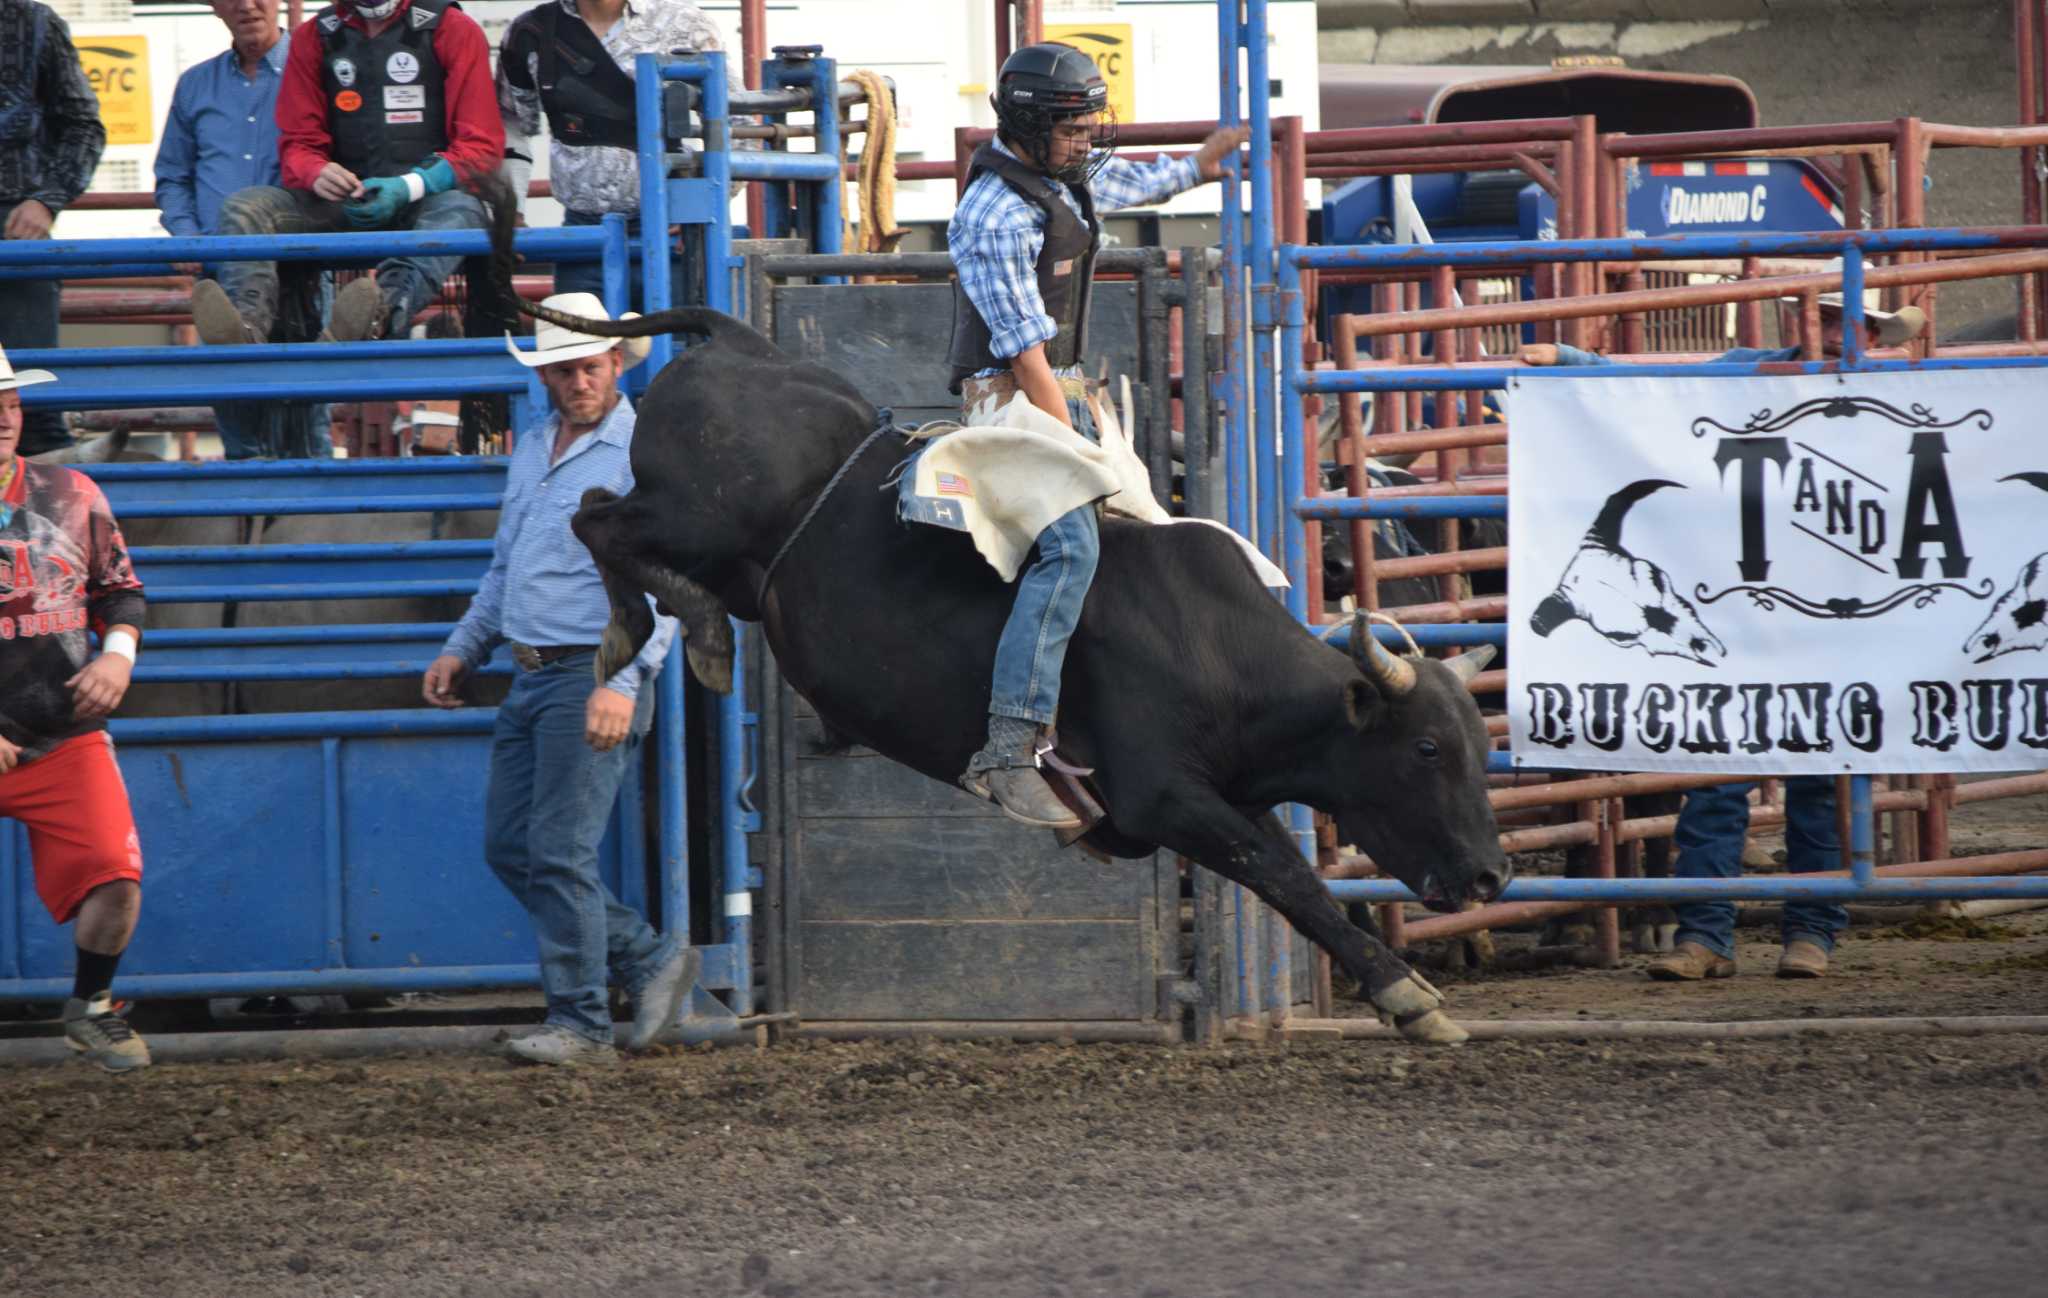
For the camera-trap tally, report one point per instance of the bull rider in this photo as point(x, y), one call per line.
point(1023, 242)
point(385, 112)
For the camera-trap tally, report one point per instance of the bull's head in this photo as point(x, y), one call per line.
point(1629, 601)
point(2019, 620)
point(1415, 796)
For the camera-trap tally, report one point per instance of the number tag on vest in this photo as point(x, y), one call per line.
point(405, 96)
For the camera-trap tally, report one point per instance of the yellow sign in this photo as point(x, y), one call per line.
point(118, 68)
point(1109, 44)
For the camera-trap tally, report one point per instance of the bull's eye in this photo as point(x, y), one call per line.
point(1427, 750)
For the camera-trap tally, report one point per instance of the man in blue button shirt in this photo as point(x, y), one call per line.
point(221, 136)
point(562, 745)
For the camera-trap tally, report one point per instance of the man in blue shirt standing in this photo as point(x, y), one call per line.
point(1023, 243)
point(221, 136)
point(562, 745)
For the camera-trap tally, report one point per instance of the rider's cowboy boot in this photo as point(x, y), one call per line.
point(1006, 772)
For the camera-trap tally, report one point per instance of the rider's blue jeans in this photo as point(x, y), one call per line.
point(549, 799)
point(1050, 592)
point(1711, 827)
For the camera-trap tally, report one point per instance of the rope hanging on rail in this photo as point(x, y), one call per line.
point(877, 179)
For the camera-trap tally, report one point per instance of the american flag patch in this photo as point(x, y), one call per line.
point(952, 484)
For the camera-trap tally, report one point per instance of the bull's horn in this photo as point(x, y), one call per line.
point(1470, 663)
point(2037, 479)
point(1394, 676)
point(1606, 529)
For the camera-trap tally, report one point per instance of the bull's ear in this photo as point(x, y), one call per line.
point(1362, 705)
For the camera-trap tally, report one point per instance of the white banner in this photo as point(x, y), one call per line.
point(1780, 575)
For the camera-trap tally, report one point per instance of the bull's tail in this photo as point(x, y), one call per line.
point(503, 213)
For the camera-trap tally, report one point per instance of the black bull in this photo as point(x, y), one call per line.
point(1200, 703)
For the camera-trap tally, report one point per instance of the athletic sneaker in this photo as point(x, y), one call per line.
point(102, 1036)
point(559, 1046)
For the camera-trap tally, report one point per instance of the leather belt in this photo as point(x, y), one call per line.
point(534, 657)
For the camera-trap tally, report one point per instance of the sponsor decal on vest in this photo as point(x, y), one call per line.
point(422, 17)
point(402, 67)
point(405, 96)
point(1716, 207)
point(344, 71)
point(330, 22)
point(348, 101)
point(412, 118)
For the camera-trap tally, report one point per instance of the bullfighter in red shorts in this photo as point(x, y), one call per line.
point(64, 570)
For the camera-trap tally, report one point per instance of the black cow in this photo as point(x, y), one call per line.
point(1199, 702)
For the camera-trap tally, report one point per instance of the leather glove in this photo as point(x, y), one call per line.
point(384, 197)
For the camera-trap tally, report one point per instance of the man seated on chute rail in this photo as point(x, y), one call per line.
point(1023, 242)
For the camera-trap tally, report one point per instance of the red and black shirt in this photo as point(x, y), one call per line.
point(64, 569)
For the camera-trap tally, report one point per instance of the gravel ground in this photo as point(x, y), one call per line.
point(1887, 1165)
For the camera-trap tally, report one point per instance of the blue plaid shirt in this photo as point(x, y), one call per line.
point(996, 235)
point(542, 587)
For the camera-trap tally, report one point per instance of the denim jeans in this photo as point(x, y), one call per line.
point(408, 283)
point(1710, 831)
point(28, 318)
point(549, 798)
point(588, 276)
point(1050, 592)
point(290, 430)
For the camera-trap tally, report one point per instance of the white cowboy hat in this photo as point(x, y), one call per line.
point(1887, 328)
point(553, 343)
point(9, 379)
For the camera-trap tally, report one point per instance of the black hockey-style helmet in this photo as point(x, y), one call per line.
point(1040, 85)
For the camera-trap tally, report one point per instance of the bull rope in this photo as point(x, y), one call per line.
point(885, 422)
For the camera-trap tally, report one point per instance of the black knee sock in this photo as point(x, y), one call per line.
point(95, 974)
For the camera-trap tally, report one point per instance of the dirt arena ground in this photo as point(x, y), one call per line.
point(1876, 1165)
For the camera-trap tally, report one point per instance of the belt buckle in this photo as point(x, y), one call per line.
point(527, 657)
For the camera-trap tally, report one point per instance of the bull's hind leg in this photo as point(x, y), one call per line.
point(604, 525)
point(1261, 856)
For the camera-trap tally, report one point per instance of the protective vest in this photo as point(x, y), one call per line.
point(587, 97)
point(387, 104)
point(21, 114)
point(1066, 272)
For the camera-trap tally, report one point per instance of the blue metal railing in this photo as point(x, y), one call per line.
point(1299, 381)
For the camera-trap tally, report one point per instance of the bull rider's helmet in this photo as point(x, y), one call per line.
point(1041, 85)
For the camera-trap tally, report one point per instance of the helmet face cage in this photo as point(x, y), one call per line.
point(1033, 128)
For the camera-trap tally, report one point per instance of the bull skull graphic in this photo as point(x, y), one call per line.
point(2019, 620)
point(1629, 601)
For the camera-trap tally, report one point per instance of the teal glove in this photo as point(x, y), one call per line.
point(384, 197)
point(438, 176)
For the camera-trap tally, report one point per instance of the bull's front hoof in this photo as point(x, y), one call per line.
point(1432, 1028)
point(1406, 998)
point(713, 670)
point(614, 651)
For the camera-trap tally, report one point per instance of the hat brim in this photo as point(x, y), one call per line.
point(25, 379)
point(1887, 328)
point(636, 349)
